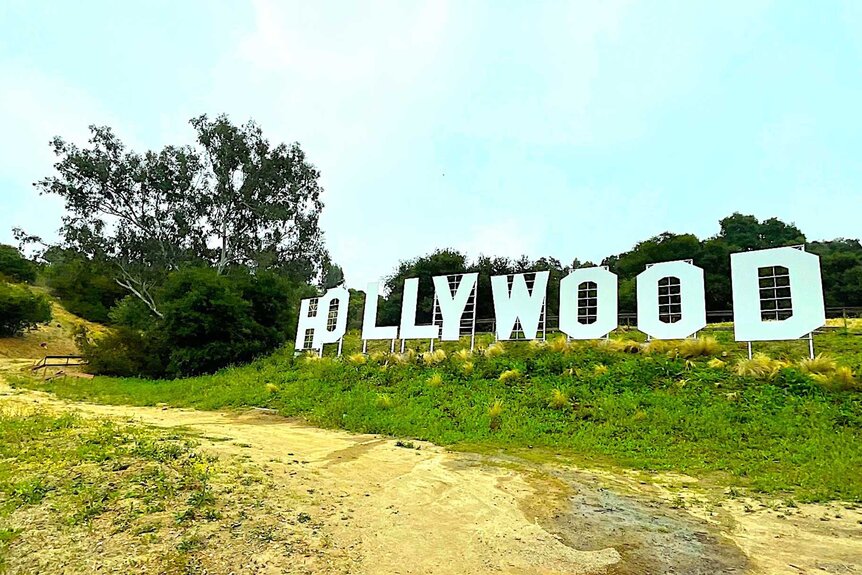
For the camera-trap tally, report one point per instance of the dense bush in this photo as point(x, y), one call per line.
point(15, 266)
point(21, 309)
point(209, 321)
point(123, 351)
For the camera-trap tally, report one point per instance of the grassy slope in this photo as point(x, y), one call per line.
point(779, 435)
point(54, 338)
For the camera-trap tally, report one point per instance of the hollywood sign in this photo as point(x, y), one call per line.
point(777, 295)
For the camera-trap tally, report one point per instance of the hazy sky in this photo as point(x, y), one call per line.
point(571, 129)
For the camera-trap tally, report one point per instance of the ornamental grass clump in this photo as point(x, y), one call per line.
point(495, 350)
point(819, 365)
point(716, 363)
point(600, 369)
point(657, 346)
point(760, 366)
point(436, 380)
point(434, 357)
point(559, 399)
point(510, 376)
point(405, 358)
point(384, 401)
point(559, 344)
point(841, 379)
point(621, 345)
point(462, 354)
point(701, 346)
point(357, 358)
point(467, 368)
point(495, 413)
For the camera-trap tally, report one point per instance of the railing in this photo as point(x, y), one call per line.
point(64, 361)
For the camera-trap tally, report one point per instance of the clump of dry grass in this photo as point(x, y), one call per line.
point(621, 345)
point(384, 401)
point(436, 380)
point(496, 349)
point(462, 354)
point(510, 376)
point(405, 358)
point(495, 412)
point(357, 358)
point(434, 357)
point(657, 346)
point(467, 368)
point(378, 356)
point(559, 399)
point(819, 365)
point(760, 366)
point(716, 363)
point(701, 346)
point(537, 343)
point(841, 379)
point(559, 344)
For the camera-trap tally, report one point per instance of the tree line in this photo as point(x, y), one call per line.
point(841, 263)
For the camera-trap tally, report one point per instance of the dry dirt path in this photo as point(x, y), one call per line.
point(397, 510)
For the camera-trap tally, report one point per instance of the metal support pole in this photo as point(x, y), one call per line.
point(432, 344)
point(749, 350)
point(364, 346)
point(340, 345)
point(811, 345)
point(392, 347)
point(403, 342)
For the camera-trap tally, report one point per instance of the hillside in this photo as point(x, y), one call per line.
point(55, 338)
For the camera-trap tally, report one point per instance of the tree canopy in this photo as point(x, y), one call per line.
point(233, 199)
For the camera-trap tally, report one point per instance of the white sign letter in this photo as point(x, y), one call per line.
point(370, 329)
point(409, 329)
point(452, 307)
point(588, 303)
point(671, 300)
point(777, 294)
point(518, 304)
point(314, 316)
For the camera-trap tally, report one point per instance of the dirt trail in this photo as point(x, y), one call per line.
point(398, 510)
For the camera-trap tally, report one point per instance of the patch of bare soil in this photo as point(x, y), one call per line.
point(387, 509)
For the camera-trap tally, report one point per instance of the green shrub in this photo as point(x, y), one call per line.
point(15, 266)
point(21, 309)
point(123, 352)
point(209, 321)
point(131, 312)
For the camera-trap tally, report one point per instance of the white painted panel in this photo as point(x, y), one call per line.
point(606, 313)
point(806, 290)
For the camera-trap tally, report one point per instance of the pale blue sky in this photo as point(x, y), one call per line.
point(571, 129)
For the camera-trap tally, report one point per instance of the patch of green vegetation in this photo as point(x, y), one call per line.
point(77, 470)
point(658, 406)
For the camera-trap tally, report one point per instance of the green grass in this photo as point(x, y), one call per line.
point(598, 404)
point(79, 470)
